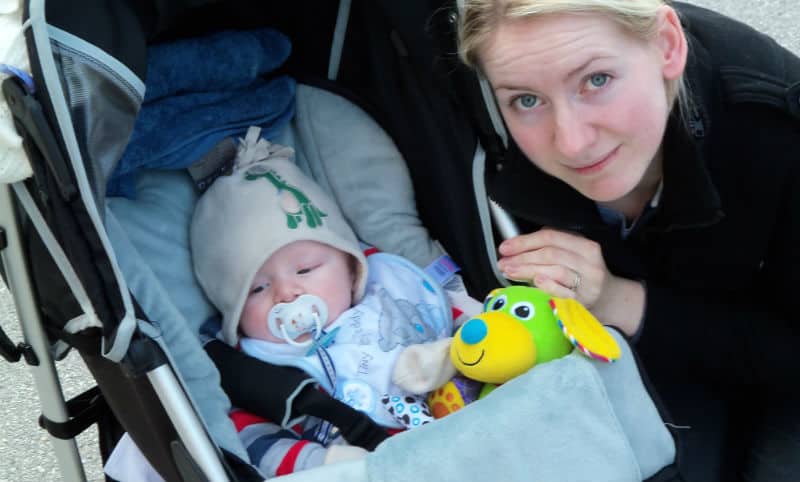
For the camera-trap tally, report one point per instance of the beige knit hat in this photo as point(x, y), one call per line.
point(245, 217)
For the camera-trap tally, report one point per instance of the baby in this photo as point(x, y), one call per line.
point(275, 255)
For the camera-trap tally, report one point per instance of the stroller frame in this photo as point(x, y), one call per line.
point(37, 350)
point(40, 355)
point(194, 455)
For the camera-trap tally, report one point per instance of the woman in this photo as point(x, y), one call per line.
point(655, 171)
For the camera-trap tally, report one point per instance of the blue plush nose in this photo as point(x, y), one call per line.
point(474, 331)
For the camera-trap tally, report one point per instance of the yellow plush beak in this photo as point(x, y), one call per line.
point(493, 347)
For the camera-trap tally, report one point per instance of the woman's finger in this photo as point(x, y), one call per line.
point(552, 262)
point(553, 287)
point(556, 272)
point(543, 238)
point(548, 255)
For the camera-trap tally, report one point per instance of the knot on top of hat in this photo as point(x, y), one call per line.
point(253, 148)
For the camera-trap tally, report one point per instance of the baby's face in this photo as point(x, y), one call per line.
point(300, 267)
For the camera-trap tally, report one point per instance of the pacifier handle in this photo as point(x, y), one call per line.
point(291, 341)
point(297, 313)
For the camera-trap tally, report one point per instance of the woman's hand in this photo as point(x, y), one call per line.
point(566, 265)
point(562, 264)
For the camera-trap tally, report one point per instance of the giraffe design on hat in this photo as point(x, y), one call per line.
point(292, 201)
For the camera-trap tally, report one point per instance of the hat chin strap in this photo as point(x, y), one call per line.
point(290, 321)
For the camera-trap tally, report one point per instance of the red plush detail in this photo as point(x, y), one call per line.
point(456, 313)
point(242, 419)
point(287, 464)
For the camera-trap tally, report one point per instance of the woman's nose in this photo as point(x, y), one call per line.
point(573, 134)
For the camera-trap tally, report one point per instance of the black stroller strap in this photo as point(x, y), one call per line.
point(83, 411)
point(268, 400)
point(356, 427)
point(88, 341)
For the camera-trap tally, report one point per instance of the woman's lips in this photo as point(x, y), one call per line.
point(599, 165)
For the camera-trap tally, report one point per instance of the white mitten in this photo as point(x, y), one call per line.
point(424, 367)
point(341, 453)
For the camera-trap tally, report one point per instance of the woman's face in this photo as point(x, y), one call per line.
point(300, 267)
point(584, 100)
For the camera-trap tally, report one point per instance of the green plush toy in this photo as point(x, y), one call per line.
point(520, 327)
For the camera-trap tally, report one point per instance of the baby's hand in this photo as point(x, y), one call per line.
point(424, 367)
point(343, 453)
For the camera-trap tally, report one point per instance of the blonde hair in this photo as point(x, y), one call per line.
point(479, 19)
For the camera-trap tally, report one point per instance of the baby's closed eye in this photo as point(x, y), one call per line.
point(307, 269)
point(259, 288)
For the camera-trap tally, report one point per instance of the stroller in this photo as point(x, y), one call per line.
point(77, 286)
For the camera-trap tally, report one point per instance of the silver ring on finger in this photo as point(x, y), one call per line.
point(576, 282)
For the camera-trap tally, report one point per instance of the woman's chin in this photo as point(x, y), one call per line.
point(605, 192)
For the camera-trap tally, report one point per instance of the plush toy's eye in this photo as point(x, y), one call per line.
point(498, 303)
point(523, 310)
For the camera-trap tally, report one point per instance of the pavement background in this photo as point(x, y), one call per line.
point(25, 451)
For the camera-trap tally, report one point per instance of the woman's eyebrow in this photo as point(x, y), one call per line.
point(512, 88)
point(572, 73)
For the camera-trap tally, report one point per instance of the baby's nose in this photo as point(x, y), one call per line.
point(286, 292)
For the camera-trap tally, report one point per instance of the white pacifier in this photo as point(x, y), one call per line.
point(290, 321)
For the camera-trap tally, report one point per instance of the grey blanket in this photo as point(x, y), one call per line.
point(571, 419)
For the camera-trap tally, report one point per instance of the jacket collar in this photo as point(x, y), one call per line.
point(689, 198)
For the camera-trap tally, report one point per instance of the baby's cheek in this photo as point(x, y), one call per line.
point(336, 307)
point(253, 323)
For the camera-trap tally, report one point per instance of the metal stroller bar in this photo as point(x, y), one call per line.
point(45, 376)
point(164, 382)
point(338, 39)
point(189, 428)
point(489, 211)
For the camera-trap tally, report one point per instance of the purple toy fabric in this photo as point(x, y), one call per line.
point(468, 388)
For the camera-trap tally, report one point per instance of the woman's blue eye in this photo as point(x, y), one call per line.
point(526, 101)
point(598, 80)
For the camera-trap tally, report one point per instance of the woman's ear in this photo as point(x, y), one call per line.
point(671, 43)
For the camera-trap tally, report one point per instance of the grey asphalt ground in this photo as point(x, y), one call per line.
point(25, 450)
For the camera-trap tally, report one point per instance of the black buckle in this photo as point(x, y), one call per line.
point(364, 433)
point(12, 353)
point(82, 411)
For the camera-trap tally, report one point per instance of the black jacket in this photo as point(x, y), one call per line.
point(720, 257)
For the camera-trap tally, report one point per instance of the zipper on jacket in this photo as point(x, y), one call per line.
point(696, 124)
